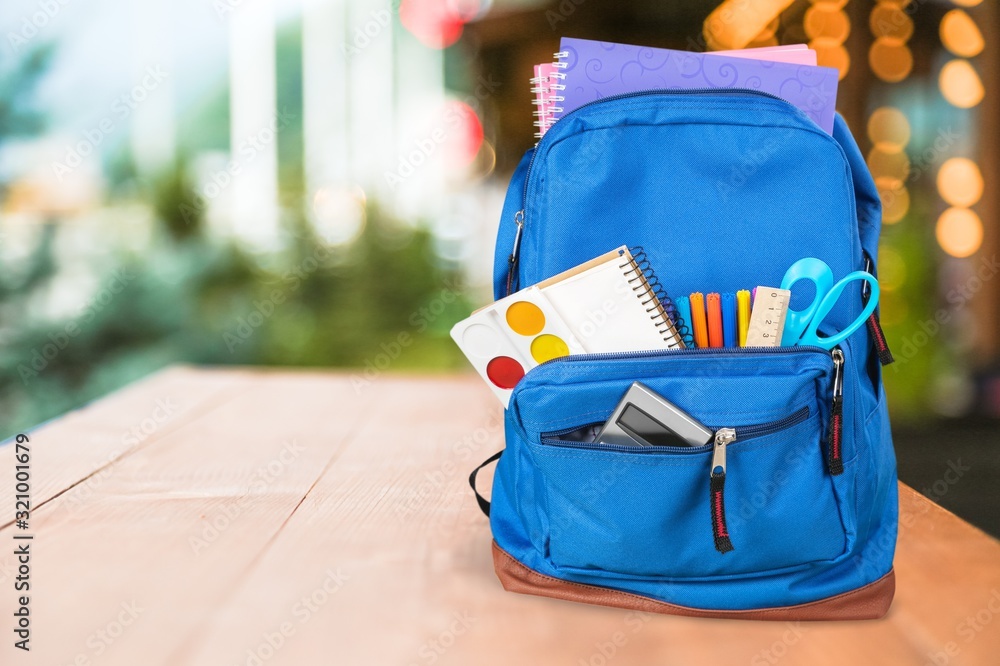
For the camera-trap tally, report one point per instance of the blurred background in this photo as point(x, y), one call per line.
point(318, 183)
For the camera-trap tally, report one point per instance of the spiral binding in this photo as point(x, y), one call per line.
point(547, 89)
point(669, 323)
point(546, 101)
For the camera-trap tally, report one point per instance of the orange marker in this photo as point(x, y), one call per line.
point(715, 334)
point(698, 322)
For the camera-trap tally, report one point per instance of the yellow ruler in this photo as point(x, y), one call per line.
point(767, 319)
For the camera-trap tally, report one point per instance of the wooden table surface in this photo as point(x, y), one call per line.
point(233, 516)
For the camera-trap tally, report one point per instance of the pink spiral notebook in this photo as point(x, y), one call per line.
point(586, 71)
point(546, 96)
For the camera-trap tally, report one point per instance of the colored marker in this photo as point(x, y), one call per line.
point(714, 306)
point(699, 326)
point(684, 312)
point(729, 319)
point(743, 307)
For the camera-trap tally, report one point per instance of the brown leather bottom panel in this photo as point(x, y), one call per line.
point(865, 603)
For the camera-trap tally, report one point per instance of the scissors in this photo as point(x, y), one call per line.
point(802, 326)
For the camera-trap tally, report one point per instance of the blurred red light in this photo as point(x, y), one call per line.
point(467, 130)
point(436, 23)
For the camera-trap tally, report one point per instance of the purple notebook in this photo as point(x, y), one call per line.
point(595, 70)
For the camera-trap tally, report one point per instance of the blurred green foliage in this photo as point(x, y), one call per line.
point(383, 302)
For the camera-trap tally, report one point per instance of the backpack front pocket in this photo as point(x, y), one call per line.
point(675, 512)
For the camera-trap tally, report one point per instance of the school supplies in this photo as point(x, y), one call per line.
point(802, 326)
point(545, 87)
point(684, 314)
point(714, 306)
point(508, 338)
point(591, 70)
point(767, 320)
point(743, 313)
point(655, 534)
point(699, 324)
point(729, 320)
point(645, 418)
point(608, 304)
point(614, 303)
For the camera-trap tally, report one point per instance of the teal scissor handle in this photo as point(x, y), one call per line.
point(817, 272)
point(802, 326)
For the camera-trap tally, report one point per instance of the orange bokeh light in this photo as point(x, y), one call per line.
point(830, 53)
point(960, 84)
point(823, 21)
point(890, 20)
point(888, 164)
point(890, 59)
point(959, 232)
point(895, 199)
point(960, 182)
point(961, 35)
point(889, 129)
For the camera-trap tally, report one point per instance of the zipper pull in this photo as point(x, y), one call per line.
point(874, 327)
point(878, 335)
point(723, 438)
point(515, 251)
point(834, 442)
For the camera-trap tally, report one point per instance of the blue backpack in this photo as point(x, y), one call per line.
point(724, 190)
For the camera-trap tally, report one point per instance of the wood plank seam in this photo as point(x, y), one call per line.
point(198, 412)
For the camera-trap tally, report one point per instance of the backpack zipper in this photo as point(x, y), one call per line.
point(874, 326)
point(717, 486)
point(718, 352)
point(717, 472)
point(515, 251)
point(519, 215)
point(834, 443)
point(742, 432)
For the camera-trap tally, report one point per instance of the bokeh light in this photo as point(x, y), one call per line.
point(960, 182)
point(891, 269)
point(889, 20)
point(889, 129)
point(827, 27)
point(824, 21)
point(890, 59)
point(763, 43)
point(339, 214)
point(464, 135)
point(830, 4)
point(895, 199)
point(889, 164)
point(830, 53)
point(734, 24)
point(961, 35)
point(959, 232)
point(770, 30)
point(436, 23)
point(966, 3)
point(960, 84)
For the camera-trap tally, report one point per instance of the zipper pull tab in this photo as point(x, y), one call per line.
point(874, 327)
point(515, 251)
point(878, 336)
point(834, 442)
point(723, 438)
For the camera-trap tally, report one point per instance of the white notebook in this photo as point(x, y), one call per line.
point(610, 306)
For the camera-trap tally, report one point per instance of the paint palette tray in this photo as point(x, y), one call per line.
point(506, 339)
